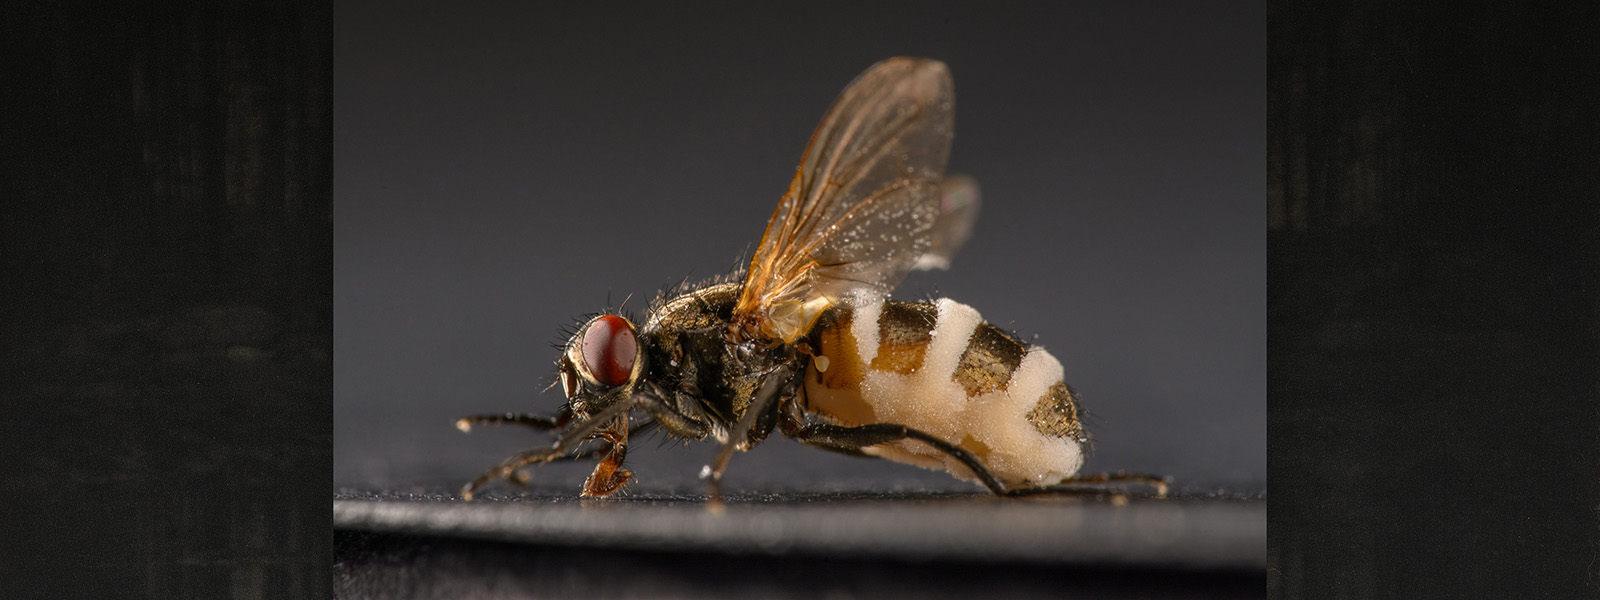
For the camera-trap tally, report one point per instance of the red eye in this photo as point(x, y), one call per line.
point(609, 349)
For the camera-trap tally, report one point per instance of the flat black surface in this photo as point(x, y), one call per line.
point(1190, 533)
point(397, 566)
point(909, 544)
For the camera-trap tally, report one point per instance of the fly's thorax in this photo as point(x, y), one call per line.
point(940, 368)
point(694, 309)
point(678, 332)
point(693, 352)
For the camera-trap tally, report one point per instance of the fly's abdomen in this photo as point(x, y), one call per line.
point(940, 368)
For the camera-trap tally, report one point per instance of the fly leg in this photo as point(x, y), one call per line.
point(570, 439)
point(854, 439)
point(539, 422)
point(609, 476)
point(535, 421)
point(1076, 483)
point(674, 419)
point(739, 437)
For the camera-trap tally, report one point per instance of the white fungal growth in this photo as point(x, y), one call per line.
point(864, 327)
point(994, 426)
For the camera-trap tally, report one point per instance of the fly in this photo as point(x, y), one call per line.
point(807, 342)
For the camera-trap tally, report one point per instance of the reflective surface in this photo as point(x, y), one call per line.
point(927, 544)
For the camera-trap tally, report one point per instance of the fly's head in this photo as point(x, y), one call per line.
point(600, 365)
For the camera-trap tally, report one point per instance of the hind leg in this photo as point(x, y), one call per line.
point(853, 439)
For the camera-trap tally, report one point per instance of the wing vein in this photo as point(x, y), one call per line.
point(851, 220)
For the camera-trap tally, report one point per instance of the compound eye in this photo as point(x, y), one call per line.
point(609, 349)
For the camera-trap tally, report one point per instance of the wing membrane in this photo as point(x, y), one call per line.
point(959, 201)
point(862, 206)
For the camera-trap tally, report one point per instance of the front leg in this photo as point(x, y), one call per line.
point(576, 434)
point(674, 418)
point(535, 421)
point(609, 476)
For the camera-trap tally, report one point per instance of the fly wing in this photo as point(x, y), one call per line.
point(861, 209)
point(959, 201)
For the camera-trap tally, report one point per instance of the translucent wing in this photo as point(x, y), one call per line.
point(861, 209)
point(959, 201)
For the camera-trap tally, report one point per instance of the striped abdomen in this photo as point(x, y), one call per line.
point(939, 368)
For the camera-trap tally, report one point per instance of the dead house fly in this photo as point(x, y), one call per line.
point(808, 343)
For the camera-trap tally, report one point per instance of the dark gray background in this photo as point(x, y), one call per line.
point(500, 170)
